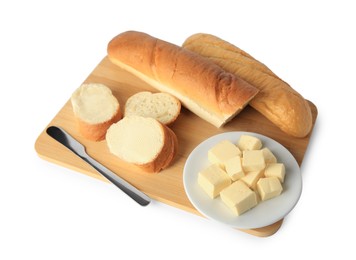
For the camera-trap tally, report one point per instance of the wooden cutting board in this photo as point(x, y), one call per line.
point(166, 186)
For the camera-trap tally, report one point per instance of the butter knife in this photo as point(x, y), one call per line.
point(77, 148)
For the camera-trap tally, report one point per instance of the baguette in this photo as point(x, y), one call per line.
point(144, 142)
point(95, 109)
point(277, 101)
point(202, 86)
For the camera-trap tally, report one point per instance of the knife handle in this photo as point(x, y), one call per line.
point(137, 195)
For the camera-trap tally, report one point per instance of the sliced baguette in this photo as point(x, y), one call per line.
point(202, 86)
point(142, 141)
point(95, 109)
point(161, 106)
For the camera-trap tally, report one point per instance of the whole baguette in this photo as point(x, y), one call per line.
point(277, 101)
point(209, 44)
point(202, 86)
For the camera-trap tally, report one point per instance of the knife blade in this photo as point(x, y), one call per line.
point(77, 148)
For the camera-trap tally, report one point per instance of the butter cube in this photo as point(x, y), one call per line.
point(252, 178)
point(213, 180)
point(238, 197)
point(234, 169)
point(276, 170)
point(269, 188)
point(253, 160)
point(222, 152)
point(248, 142)
point(269, 156)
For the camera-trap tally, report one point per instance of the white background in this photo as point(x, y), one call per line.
point(48, 48)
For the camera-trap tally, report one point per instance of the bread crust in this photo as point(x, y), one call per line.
point(174, 149)
point(277, 100)
point(167, 154)
point(97, 132)
point(201, 86)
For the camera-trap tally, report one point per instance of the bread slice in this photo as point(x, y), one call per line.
point(95, 108)
point(142, 141)
point(161, 106)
